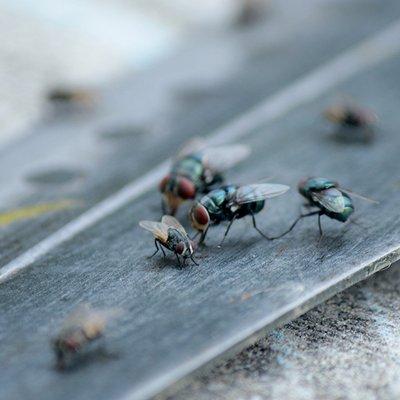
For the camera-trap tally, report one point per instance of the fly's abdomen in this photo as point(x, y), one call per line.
point(250, 208)
point(345, 214)
point(257, 206)
point(348, 209)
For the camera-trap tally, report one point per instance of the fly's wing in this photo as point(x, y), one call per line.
point(91, 320)
point(172, 222)
point(194, 145)
point(349, 192)
point(221, 158)
point(331, 199)
point(77, 317)
point(257, 192)
point(158, 229)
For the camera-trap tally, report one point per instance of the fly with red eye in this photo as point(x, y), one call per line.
point(169, 233)
point(80, 330)
point(230, 203)
point(197, 170)
point(353, 122)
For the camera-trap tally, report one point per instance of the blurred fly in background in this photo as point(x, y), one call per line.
point(90, 42)
point(82, 327)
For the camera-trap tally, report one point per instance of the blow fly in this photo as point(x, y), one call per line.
point(196, 170)
point(354, 122)
point(84, 326)
point(169, 233)
point(71, 96)
point(230, 203)
point(326, 198)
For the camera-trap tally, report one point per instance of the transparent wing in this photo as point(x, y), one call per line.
point(224, 157)
point(173, 223)
point(349, 192)
point(332, 199)
point(158, 229)
point(192, 146)
point(257, 192)
point(90, 319)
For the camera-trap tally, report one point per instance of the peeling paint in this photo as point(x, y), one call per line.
point(34, 211)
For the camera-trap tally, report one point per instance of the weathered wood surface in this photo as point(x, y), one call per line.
point(177, 320)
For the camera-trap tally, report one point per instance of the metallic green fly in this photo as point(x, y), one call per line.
point(230, 203)
point(326, 198)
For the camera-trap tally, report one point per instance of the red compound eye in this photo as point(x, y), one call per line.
point(186, 189)
point(71, 345)
point(180, 247)
point(200, 214)
point(163, 183)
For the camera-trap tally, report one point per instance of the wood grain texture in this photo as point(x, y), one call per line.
point(177, 320)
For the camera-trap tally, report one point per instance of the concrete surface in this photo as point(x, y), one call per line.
point(346, 348)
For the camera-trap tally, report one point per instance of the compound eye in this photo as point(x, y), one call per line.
point(180, 248)
point(71, 345)
point(163, 184)
point(186, 189)
point(200, 215)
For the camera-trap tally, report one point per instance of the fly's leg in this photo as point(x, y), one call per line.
point(178, 259)
point(319, 225)
point(258, 230)
point(203, 236)
point(194, 261)
point(195, 236)
point(163, 207)
point(162, 249)
point(227, 230)
point(157, 248)
point(295, 223)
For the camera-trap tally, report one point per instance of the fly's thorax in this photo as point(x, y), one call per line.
point(230, 191)
point(190, 167)
point(218, 203)
point(309, 185)
point(179, 243)
point(353, 118)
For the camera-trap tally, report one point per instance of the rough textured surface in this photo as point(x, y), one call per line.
point(346, 348)
point(176, 318)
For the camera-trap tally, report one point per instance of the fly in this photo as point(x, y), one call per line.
point(230, 203)
point(169, 233)
point(197, 170)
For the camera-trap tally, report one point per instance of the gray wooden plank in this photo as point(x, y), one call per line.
point(233, 71)
point(178, 319)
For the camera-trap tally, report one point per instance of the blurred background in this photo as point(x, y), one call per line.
point(48, 43)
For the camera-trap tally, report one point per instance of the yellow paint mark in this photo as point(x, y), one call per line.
point(34, 211)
